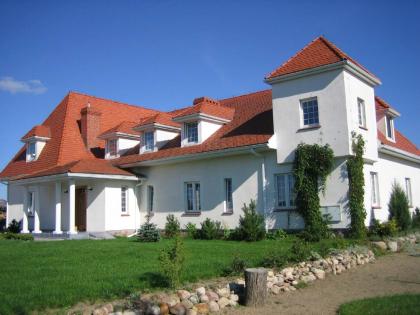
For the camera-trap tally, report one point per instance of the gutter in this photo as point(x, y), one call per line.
point(386, 149)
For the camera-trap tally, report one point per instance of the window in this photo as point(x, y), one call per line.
point(31, 203)
point(31, 154)
point(389, 127)
point(150, 196)
point(362, 112)
point(112, 147)
point(408, 191)
point(375, 189)
point(310, 112)
point(191, 132)
point(149, 141)
point(124, 203)
point(285, 186)
point(192, 192)
point(228, 195)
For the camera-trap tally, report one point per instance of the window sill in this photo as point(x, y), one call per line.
point(191, 214)
point(227, 213)
point(125, 215)
point(376, 207)
point(310, 127)
point(363, 128)
point(284, 209)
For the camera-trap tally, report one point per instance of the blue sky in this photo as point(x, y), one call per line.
point(163, 54)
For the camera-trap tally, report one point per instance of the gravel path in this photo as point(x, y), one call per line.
point(391, 274)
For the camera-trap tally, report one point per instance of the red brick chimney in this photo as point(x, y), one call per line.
point(90, 124)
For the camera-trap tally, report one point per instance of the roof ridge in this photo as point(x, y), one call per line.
point(244, 95)
point(341, 54)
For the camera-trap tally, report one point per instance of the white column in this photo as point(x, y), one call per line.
point(72, 207)
point(25, 211)
point(37, 194)
point(57, 208)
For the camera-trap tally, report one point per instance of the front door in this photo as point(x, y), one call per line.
point(81, 204)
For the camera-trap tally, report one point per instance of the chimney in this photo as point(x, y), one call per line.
point(90, 124)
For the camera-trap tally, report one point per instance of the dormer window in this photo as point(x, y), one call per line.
point(112, 148)
point(192, 132)
point(35, 141)
point(31, 151)
point(389, 121)
point(149, 141)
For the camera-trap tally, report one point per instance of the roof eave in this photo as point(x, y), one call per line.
point(201, 116)
point(389, 150)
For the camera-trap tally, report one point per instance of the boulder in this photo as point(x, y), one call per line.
point(223, 302)
point(200, 291)
point(275, 290)
point(204, 298)
point(192, 312)
point(202, 308)
point(183, 294)
point(194, 299)
point(164, 309)
point(320, 274)
point(214, 307)
point(187, 303)
point(380, 245)
point(153, 310)
point(178, 309)
point(100, 311)
point(171, 300)
point(392, 246)
point(212, 296)
point(234, 297)
point(223, 292)
point(308, 278)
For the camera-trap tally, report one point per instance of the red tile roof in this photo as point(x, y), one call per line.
point(38, 131)
point(206, 105)
point(319, 52)
point(124, 127)
point(160, 118)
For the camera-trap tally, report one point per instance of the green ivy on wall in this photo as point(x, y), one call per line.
point(357, 188)
point(311, 167)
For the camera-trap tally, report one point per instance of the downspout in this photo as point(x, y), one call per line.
point(135, 213)
point(264, 184)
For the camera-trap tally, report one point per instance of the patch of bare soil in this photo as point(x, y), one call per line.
point(391, 274)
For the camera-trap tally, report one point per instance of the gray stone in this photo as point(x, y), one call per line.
point(308, 278)
point(200, 291)
point(234, 297)
point(187, 303)
point(275, 290)
point(178, 309)
point(380, 245)
point(204, 298)
point(320, 274)
point(223, 292)
point(194, 299)
point(192, 312)
point(223, 302)
point(183, 294)
point(214, 307)
point(393, 246)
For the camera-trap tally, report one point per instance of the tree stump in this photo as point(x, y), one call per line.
point(255, 286)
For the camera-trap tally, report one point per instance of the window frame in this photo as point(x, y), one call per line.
point(375, 194)
point(389, 128)
point(228, 190)
point(150, 198)
point(145, 139)
point(109, 146)
point(316, 122)
point(408, 191)
point(31, 203)
point(31, 156)
point(289, 194)
point(187, 132)
point(196, 200)
point(361, 113)
point(124, 200)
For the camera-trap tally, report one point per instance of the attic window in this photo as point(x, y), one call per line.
point(389, 121)
point(192, 132)
point(112, 147)
point(31, 151)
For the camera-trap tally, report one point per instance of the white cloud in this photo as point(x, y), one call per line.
point(14, 86)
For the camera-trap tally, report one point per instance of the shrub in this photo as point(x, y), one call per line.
point(210, 230)
point(277, 235)
point(300, 251)
point(172, 226)
point(236, 267)
point(398, 207)
point(148, 233)
point(17, 236)
point(171, 262)
point(386, 229)
point(14, 227)
point(416, 218)
point(251, 225)
point(191, 229)
point(275, 259)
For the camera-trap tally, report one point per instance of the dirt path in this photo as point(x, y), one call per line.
point(392, 274)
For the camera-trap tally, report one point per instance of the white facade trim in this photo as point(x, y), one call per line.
point(386, 149)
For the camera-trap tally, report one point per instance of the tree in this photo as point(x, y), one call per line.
point(398, 207)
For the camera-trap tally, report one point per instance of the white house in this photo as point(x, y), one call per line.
point(99, 165)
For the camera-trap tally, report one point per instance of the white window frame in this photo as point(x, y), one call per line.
point(196, 198)
point(31, 156)
point(31, 203)
point(228, 189)
point(150, 198)
point(389, 129)
point(375, 197)
point(145, 148)
point(187, 135)
point(408, 191)
point(124, 200)
point(302, 112)
point(361, 113)
point(289, 202)
point(108, 148)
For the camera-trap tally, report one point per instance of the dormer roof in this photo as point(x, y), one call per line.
point(320, 52)
point(123, 128)
point(39, 131)
point(206, 107)
point(163, 120)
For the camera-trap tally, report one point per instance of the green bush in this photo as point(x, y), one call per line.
point(148, 233)
point(386, 229)
point(275, 259)
point(416, 218)
point(251, 226)
point(191, 230)
point(236, 267)
point(300, 251)
point(17, 236)
point(172, 226)
point(277, 235)
point(14, 227)
point(171, 262)
point(398, 207)
point(210, 230)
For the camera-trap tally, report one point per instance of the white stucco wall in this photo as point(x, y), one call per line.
point(126, 144)
point(163, 136)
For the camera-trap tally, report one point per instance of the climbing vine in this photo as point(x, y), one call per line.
point(357, 188)
point(311, 167)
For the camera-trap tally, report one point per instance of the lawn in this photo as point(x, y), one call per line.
point(406, 304)
point(38, 275)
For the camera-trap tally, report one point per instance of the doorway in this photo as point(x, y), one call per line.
point(81, 205)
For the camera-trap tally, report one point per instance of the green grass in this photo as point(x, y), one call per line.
point(39, 275)
point(405, 304)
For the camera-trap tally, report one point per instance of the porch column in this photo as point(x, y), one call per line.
point(36, 230)
point(25, 211)
point(72, 207)
point(57, 208)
